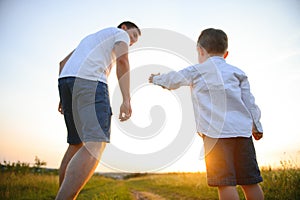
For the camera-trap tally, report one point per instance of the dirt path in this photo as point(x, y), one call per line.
point(146, 196)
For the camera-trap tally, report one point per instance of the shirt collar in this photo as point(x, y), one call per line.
point(215, 58)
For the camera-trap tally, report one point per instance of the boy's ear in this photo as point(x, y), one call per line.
point(124, 27)
point(225, 55)
point(200, 51)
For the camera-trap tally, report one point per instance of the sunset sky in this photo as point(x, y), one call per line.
point(264, 41)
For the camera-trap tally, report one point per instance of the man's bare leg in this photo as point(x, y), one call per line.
point(80, 169)
point(72, 149)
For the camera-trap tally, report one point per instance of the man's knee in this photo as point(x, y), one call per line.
point(95, 148)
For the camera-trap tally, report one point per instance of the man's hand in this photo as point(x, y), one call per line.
point(151, 77)
point(256, 134)
point(60, 109)
point(125, 111)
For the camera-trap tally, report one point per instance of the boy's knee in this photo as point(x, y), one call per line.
point(253, 192)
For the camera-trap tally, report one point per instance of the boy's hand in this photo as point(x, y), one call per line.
point(257, 135)
point(151, 77)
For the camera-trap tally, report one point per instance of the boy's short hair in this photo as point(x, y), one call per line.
point(129, 25)
point(214, 41)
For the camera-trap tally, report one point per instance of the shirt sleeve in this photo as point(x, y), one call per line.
point(174, 80)
point(122, 36)
point(249, 101)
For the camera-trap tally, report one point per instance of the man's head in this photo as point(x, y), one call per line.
point(133, 31)
point(212, 42)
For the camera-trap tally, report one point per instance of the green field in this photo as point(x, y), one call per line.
point(278, 184)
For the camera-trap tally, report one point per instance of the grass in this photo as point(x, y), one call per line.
point(175, 185)
point(27, 186)
point(283, 183)
point(278, 184)
point(100, 187)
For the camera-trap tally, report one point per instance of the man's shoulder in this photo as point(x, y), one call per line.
point(108, 31)
point(112, 30)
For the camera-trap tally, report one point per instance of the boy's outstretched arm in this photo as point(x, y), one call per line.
point(173, 79)
point(151, 77)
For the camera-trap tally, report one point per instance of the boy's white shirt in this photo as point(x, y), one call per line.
point(93, 57)
point(223, 104)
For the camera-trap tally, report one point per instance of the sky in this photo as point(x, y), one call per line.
point(264, 38)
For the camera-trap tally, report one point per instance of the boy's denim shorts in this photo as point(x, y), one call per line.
point(231, 161)
point(86, 109)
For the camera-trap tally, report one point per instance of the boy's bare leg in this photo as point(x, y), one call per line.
point(72, 149)
point(80, 169)
point(253, 192)
point(228, 193)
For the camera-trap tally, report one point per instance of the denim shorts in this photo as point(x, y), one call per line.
point(86, 109)
point(231, 161)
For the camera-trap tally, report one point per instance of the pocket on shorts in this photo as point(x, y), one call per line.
point(104, 115)
point(109, 120)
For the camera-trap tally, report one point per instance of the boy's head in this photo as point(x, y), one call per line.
point(212, 42)
point(133, 31)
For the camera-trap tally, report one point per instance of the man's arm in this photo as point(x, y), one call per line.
point(123, 74)
point(64, 61)
point(61, 66)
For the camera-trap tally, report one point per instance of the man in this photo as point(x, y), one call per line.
point(85, 101)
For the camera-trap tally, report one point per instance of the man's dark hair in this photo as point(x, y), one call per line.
point(130, 25)
point(214, 41)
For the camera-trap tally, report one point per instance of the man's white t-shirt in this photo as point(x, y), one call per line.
point(93, 57)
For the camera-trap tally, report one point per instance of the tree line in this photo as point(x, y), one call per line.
point(39, 166)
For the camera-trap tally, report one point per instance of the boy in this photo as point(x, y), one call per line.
point(225, 114)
